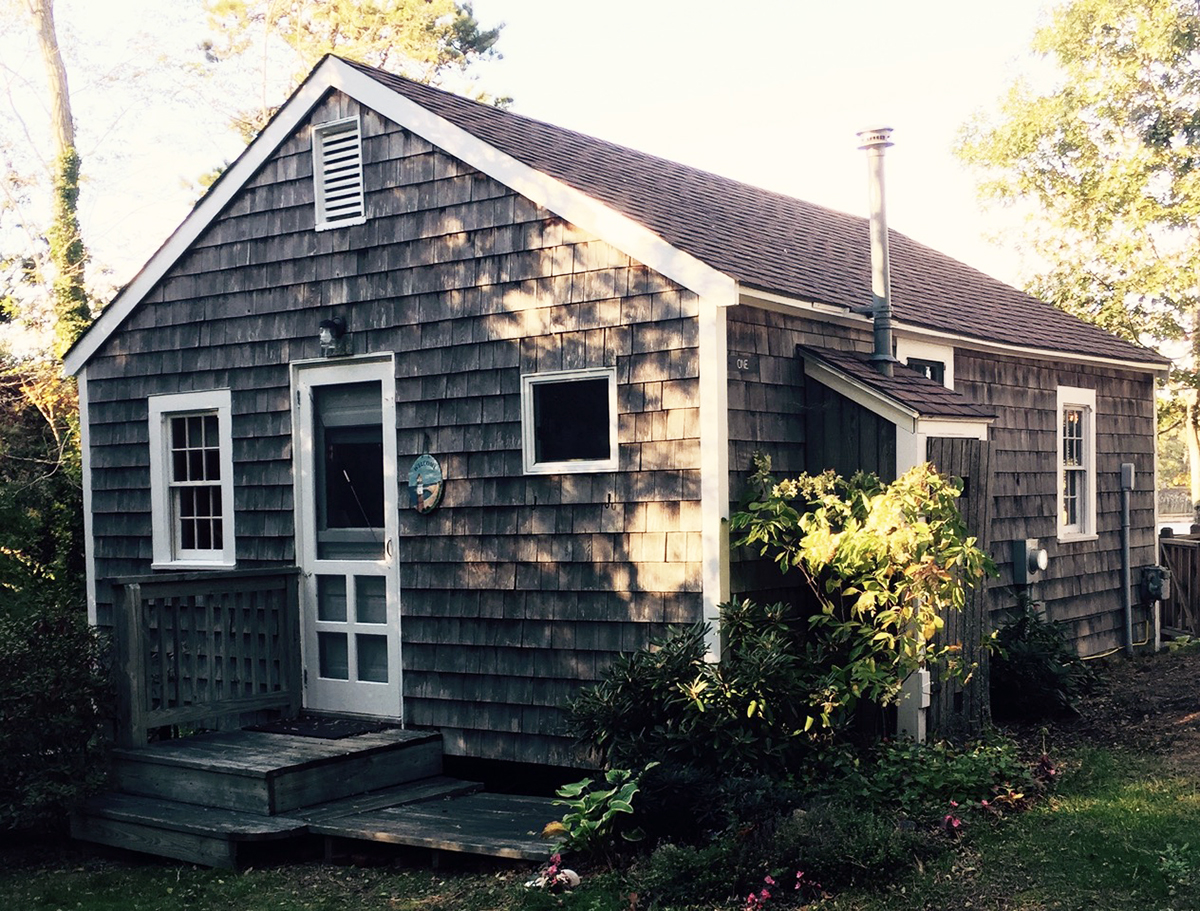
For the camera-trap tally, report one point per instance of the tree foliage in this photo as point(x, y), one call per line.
point(423, 40)
point(1101, 150)
point(884, 561)
point(41, 512)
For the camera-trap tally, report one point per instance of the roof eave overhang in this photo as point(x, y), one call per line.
point(860, 393)
point(584, 211)
point(756, 297)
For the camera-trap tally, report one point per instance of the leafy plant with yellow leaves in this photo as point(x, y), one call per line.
point(884, 562)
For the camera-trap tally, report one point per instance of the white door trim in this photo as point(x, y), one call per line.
point(305, 376)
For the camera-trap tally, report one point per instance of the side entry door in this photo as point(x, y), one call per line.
point(344, 447)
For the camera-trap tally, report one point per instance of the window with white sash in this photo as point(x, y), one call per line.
point(191, 479)
point(1076, 462)
point(569, 421)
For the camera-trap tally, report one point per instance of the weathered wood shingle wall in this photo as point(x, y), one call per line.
point(518, 589)
point(776, 410)
point(1081, 587)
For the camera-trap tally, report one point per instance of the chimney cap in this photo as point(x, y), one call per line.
point(875, 138)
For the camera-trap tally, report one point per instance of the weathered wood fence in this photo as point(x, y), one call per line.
point(205, 647)
point(958, 708)
point(1181, 555)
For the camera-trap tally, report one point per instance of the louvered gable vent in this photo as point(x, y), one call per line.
point(337, 173)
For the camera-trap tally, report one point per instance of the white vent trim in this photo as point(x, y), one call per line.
point(338, 173)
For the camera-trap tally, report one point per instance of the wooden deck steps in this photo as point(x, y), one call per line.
point(181, 831)
point(208, 799)
point(253, 772)
point(497, 825)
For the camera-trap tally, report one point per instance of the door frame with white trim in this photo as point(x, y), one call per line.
point(350, 589)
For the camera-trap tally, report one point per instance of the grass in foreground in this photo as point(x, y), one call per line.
point(1120, 834)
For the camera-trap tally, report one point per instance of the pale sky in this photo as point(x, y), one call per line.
point(771, 92)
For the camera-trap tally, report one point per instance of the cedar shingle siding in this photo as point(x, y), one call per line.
point(518, 588)
point(1081, 587)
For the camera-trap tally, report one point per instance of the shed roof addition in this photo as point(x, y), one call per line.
point(906, 387)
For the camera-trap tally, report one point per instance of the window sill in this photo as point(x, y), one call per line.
point(571, 468)
point(195, 564)
point(1077, 538)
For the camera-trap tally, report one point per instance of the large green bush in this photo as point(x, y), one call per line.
point(54, 695)
point(1035, 673)
point(666, 702)
point(883, 560)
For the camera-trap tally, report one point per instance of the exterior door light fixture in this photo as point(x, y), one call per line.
point(332, 337)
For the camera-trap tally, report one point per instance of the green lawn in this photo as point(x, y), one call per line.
point(1119, 833)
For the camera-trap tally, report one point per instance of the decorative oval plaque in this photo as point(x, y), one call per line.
point(426, 484)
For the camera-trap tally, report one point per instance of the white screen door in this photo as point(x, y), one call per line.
point(346, 497)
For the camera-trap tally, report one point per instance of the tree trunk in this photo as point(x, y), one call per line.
point(42, 14)
point(71, 309)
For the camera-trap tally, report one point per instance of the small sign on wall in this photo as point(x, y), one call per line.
point(426, 484)
point(743, 366)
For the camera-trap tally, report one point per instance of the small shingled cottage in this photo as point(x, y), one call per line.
point(487, 389)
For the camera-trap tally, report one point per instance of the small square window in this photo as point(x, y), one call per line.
point(932, 370)
point(569, 421)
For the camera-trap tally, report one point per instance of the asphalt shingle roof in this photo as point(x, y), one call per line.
point(770, 241)
point(924, 396)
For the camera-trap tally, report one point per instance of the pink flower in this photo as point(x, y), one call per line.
point(767, 879)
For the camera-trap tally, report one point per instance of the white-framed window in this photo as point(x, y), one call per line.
point(569, 421)
point(930, 359)
point(338, 173)
point(1076, 419)
point(191, 480)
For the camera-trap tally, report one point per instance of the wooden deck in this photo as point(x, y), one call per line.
point(208, 799)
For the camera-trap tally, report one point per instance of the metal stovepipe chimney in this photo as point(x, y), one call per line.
point(874, 142)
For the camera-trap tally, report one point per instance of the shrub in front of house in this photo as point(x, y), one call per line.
point(880, 564)
point(667, 703)
point(54, 694)
point(1035, 673)
point(759, 781)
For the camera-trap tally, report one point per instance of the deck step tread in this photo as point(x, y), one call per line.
point(497, 825)
point(183, 817)
point(438, 787)
point(256, 754)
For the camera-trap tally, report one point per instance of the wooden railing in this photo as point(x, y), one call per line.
point(205, 648)
point(1181, 555)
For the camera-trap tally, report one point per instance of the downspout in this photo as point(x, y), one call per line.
point(874, 142)
point(1127, 482)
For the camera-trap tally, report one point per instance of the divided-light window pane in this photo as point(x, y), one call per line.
point(191, 479)
point(195, 482)
point(1074, 472)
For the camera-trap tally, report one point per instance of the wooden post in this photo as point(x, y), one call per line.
point(131, 674)
point(289, 642)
